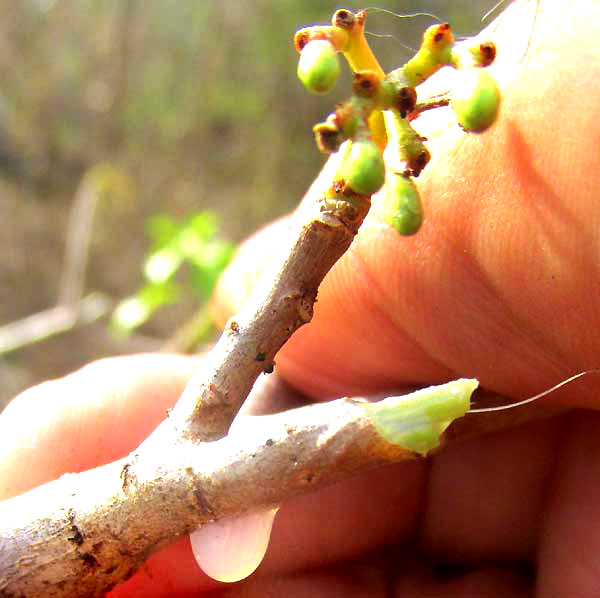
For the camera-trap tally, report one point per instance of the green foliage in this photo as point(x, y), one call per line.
point(194, 244)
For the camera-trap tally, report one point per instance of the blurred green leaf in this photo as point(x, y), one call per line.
point(161, 229)
point(136, 310)
point(193, 243)
point(203, 224)
point(157, 295)
point(162, 265)
point(129, 314)
point(205, 271)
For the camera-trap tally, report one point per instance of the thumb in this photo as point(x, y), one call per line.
point(501, 282)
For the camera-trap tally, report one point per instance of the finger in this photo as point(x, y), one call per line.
point(570, 541)
point(486, 496)
point(103, 411)
point(357, 580)
point(170, 572)
point(489, 581)
point(509, 245)
point(386, 573)
point(331, 525)
point(348, 519)
point(481, 505)
point(92, 417)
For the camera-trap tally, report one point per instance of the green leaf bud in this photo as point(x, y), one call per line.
point(402, 205)
point(417, 421)
point(318, 67)
point(364, 169)
point(476, 100)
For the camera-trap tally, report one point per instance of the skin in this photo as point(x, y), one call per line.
point(501, 283)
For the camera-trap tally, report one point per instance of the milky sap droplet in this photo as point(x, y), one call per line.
point(232, 548)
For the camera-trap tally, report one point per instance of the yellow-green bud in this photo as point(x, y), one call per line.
point(476, 100)
point(479, 55)
point(318, 67)
point(363, 169)
point(484, 54)
point(402, 207)
point(434, 53)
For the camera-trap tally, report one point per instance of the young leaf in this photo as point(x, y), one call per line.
point(416, 421)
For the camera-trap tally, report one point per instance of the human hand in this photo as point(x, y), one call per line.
point(471, 294)
point(501, 283)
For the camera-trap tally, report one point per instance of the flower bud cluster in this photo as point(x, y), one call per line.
point(391, 99)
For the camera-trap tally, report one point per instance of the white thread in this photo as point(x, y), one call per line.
point(390, 36)
point(401, 16)
point(538, 396)
point(491, 10)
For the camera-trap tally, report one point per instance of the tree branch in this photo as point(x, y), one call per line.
point(52, 321)
point(281, 302)
point(80, 535)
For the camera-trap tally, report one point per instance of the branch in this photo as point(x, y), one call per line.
point(78, 240)
point(80, 535)
point(47, 323)
point(281, 302)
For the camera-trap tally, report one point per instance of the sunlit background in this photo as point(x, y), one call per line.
point(137, 135)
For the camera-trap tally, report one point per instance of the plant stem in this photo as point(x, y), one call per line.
point(359, 55)
point(80, 535)
point(281, 302)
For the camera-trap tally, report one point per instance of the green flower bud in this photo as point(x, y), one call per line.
point(411, 150)
point(318, 67)
point(363, 169)
point(476, 100)
point(402, 207)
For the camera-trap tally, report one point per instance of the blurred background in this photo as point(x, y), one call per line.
point(140, 140)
